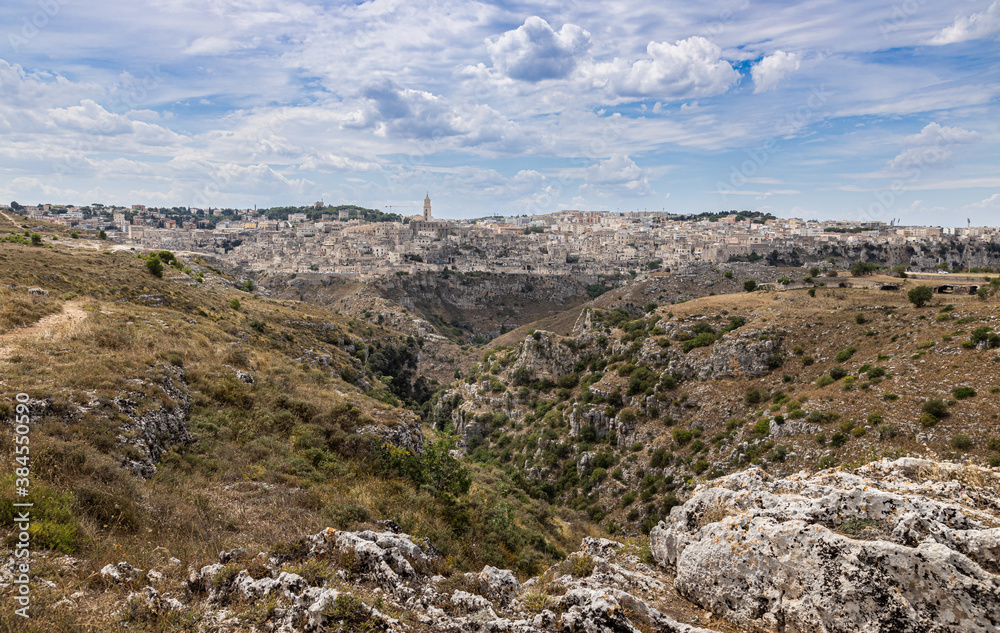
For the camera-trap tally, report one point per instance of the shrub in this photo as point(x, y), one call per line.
point(582, 566)
point(762, 428)
point(935, 407)
point(860, 319)
point(876, 372)
point(960, 442)
point(235, 304)
point(838, 439)
point(703, 339)
point(837, 372)
point(920, 295)
point(749, 285)
point(826, 461)
point(844, 355)
point(568, 381)
point(154, 265)
point(682, 436)
point(887, 431)
point(824, 380)
point(964, 392)
point(875, 418)
point(754, 396)
point(807, 361)
point(927, 420)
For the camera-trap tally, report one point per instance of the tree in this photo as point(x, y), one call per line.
point(749, 285)
point(154, 265)
point(859, 269)
point(920, 295)
point(14, 206)
point(36, 239)
point(101, 235)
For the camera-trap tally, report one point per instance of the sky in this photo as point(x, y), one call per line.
point(822, 109)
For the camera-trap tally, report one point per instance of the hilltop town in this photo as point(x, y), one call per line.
point(366, 243)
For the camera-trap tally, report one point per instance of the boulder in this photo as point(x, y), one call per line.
point(888, 547)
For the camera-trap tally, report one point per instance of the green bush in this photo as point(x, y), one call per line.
point(701, 340)
point(927, 420)
point(838, 439)
point(235, 304)
point(920, 295)
point(960, 442)
point(837, 372)
point(844, 355)
point(749, 285)
point(682, 436)
point(824, 380)
point(935, 407)
point(154, 265)
point(887, 431)
point(963, 393)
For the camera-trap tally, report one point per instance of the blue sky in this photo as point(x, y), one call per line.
point(846, 109)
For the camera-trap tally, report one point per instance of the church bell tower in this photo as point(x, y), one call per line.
point(427, 208)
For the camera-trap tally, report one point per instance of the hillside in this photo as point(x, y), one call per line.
point(625, 415)
point(175, 416)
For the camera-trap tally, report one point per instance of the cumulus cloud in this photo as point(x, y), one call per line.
point(687, 69)
point(772, 69)
point(619, 174)
point(331, 162)
point(993, 202)
point(535, 51)
point(932, 146)
point(212, 45)
point(973, 27)
point(396, 112)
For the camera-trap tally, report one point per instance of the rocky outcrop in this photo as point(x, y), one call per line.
point(542, 355)
point(358, 579)
point(743, 353)
point(154, 431)
point(907, 545)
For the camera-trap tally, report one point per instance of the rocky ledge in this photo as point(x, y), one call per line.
point(895, 546)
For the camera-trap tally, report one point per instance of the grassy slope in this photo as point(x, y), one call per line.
point(270, 461)
point(921, 352)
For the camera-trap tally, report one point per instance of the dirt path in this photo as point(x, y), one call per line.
point(72, 313)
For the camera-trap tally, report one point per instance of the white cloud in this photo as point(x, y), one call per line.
point(395, 112)
point(993, 202)
point(932, 146)
point(688, 69)
point(535, 51)
point(212, 45)
point(772, 69)
point(620, 174)
point(329, 161)
point(973, 27)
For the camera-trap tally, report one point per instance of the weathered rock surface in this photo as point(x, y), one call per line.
point(906, 545)
point(366, 576)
